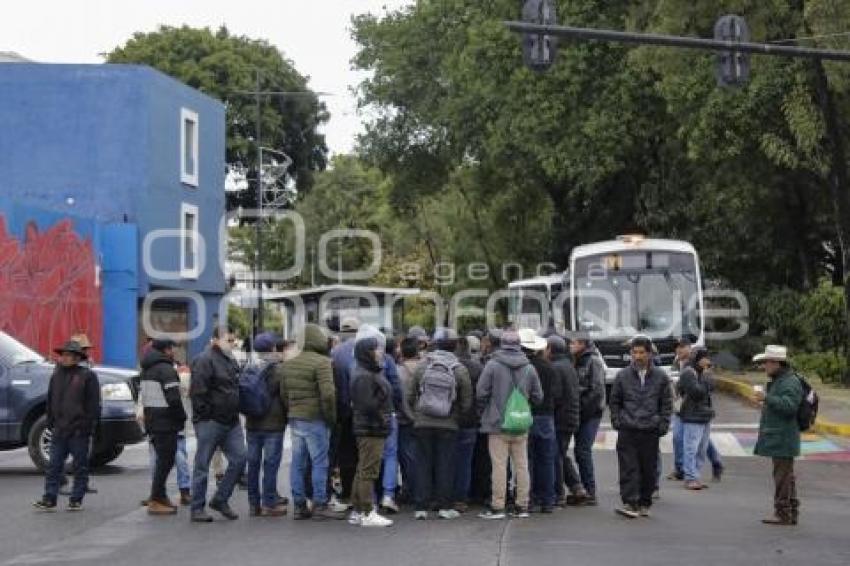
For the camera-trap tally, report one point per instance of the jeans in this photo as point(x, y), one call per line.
point(165, 448)
point(77, 446)
point(181, 462)
point(390, 457)
point(265, 450)
point(637, 456)
point(694, 443)
point(464, 452)
point(541, 457)
point(212, 435)
point(515, 448)
point(585, 437)
point(435, 448)
point(677, 428)
point(369, 451)
point(407, 459)
point(309, 439)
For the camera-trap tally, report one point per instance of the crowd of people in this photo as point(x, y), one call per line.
point(439, 422)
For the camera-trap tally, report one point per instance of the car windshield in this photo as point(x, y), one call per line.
point(13, 352)
point(639, 292)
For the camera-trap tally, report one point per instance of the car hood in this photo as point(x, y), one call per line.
point(105, 374)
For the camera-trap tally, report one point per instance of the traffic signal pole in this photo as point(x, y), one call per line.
point(676, 41)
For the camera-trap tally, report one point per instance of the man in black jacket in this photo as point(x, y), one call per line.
point(696, 413)
point(641, 404)
point(73, 411)
point(164, 418)
point(567, 416)
point(215, 414)
point(467, 434)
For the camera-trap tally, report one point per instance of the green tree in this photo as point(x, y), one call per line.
point(225, 66)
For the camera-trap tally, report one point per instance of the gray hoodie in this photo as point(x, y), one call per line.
point(506, 367)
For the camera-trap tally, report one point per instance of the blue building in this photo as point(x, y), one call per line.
point(133, 162)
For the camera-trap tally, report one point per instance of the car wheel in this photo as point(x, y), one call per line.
point(105, 457)
point(38, 442)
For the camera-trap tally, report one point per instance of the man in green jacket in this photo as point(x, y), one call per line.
point(307, 389)
point(779, 431)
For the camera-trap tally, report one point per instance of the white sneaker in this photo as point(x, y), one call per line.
point(337, 506)
point(420, 515)
point(448, 514)
point(355, 518)
point(387, 504)
point(375, 520)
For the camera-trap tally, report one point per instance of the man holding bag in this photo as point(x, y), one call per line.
point(506, 386)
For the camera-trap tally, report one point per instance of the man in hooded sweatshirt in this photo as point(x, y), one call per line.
point(696, 413)
point(441, 395)
point(507, 368)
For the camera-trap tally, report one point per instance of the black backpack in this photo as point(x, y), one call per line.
point(807, 412)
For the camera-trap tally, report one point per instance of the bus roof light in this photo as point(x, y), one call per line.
point(633, 239)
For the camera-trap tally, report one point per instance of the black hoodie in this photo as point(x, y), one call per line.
point(73, 401)
point(371, 393)
point(160, 394)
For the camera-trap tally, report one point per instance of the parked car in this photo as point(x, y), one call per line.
point(24, 377)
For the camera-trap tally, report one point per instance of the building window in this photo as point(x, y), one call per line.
point(189, 147)
point(189, 241)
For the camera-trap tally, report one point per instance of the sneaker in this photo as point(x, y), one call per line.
point(420, 515)
point(160, 508)
point(656, 495)
point(693, 485)
point(355, 518)
point(492, 514)
point(643, 511)
point(45, 505)
point(338, 506)
point(676, 476)
point(201, 517)
point(281, 501)
point(276, 511)
point(388, 505)
point(375, 520)
point(448, 514)
point(225, 510)
point(185, 497)
point(577, 499)
point(322, 512)
point(461, 507)
point(302, 512)
point(781, 521)
point(75, 506)
point(520, 513)
point(628, 511)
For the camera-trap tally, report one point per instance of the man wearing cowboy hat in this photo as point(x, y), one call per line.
point(73, 409)
point(779, 432)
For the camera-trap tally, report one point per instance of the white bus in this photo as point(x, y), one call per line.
point(616, 290)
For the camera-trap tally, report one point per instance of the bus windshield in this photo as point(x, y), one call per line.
point(627, 293)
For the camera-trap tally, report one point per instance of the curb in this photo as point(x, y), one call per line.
point(744, 391)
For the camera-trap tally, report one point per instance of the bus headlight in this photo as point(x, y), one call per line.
point(116, 392)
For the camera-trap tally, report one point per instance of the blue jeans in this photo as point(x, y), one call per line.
point(407, 458)
point(390, 479)
point(181, 462)
point(77, 446)
point(714, 455)
point(464, 451)
point(309, 439)
point(585, 438)
point(676, 426)
point(695, 442)
point(265, 450)
point(541, 460)
point(210, 436)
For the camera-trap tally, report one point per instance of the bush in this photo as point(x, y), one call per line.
point(828, 366)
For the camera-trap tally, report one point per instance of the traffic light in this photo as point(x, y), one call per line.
point(539, 50)
point(733, 67)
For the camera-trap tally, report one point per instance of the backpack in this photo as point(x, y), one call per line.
point(437, 390)
point(807, 412)
point(517, 418)
point(254, 397)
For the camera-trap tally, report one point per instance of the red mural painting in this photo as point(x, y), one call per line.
point(48, 287)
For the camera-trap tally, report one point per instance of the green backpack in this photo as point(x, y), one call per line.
point(518, 418)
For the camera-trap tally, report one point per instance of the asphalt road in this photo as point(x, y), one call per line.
point(717, 526)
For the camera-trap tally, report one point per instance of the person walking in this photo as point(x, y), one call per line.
point(568, 413)
point(681, 361)
point(215, 414)
point(591, 379)
point(641, 404)
point(165, 418)
point(308, 390)
point(372, 406)
point(696, 413)
point(779, 431)
point(441, 395)
point(507, 370)
point(73, 411)
point(265, 433)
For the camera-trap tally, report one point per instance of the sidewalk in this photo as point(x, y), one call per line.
point(834, 411)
